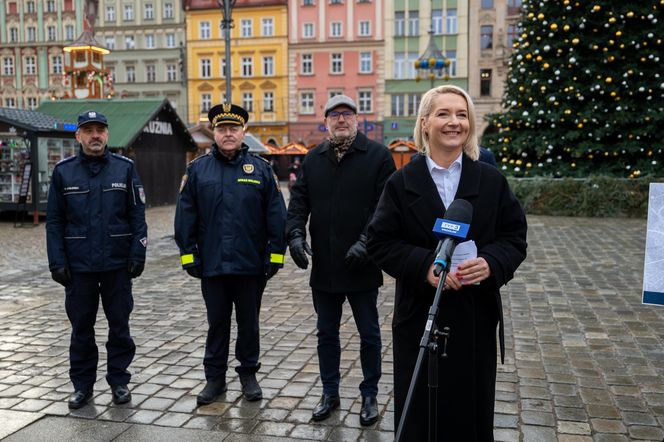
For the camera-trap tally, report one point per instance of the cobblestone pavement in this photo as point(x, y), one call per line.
point(585, 360)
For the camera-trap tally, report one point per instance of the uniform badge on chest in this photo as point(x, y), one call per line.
point(248, 168)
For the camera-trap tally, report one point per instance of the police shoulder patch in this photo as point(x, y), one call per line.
point(185, 177)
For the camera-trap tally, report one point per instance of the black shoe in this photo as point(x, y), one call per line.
point(369, 410)
point(325, 406)
point(211, 391)
point(250, 388)
point(79, 398)
point(121, 394)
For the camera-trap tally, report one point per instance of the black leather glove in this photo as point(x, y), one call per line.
point(135, 269)
point(61, 276)
point(195, 271)
point(299, 249)
point(357, 255)
point(272, 270)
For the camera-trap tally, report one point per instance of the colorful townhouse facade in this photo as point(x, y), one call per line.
point(32, 35)
point(259, 63)
point(335, 47)
point(146, 39)
point(407, 26)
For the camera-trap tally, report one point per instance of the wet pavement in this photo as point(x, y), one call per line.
point(585, 360)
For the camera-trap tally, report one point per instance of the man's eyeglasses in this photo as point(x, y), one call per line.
point(335, 115)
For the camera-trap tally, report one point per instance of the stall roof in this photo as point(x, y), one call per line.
point(29, 119)
point(126, 118)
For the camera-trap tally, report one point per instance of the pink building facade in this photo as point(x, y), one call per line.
point(335, 47)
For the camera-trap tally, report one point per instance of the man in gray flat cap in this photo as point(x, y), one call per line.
point(337, 190)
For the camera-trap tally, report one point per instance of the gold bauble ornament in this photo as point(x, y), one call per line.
point(611, 58)
point(545, 65)
point(567, 111)
point(613, 93)
point(575, 41)
point(553, 26)
point(612, 20)
point(618, 33)
point(539, 58)
point(597, 8)
point(566, 28)
point(608, 80)
point(540, 16)
point(630, 14)
point(580, 125)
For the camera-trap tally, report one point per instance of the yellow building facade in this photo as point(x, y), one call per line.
point(259, 64)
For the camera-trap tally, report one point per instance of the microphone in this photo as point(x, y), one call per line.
point(451, 230)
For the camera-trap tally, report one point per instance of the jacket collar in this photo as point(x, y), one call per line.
point(244, 149)
point(417, 180)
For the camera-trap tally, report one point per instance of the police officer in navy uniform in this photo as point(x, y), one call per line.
point(96, 238)
point(230, 228)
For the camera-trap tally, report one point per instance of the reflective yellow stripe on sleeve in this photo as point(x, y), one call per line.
point(187, 259)
point(275, 258)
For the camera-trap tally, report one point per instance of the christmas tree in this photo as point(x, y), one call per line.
point(584, 93)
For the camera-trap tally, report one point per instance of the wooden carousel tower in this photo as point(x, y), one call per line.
point(86, 76)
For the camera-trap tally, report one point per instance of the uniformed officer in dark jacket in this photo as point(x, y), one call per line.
point(96, 239)
point(337, 190)
point(229, 226)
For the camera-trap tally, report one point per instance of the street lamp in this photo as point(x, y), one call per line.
point(226, 26)
point(432, 63)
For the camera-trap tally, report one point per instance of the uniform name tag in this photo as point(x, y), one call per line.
point(119, 185)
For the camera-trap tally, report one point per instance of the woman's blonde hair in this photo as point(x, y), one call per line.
point(471, 147)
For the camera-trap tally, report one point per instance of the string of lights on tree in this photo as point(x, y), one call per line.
point(584, 93)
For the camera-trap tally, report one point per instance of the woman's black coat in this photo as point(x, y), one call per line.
point(340, 197)
point(402, 244)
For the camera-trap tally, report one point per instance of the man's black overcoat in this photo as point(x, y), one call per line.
point(402, 244)
point(341, 198)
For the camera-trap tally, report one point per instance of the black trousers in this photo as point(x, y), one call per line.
point(220, 294)
point(81, 305)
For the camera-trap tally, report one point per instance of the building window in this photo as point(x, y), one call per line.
point(399, 65)
point(513, 33)
point(30, 65)
point(485, 82)
point(30, 7)
point(69, 32)
point(129, 42)
point(307, 2)
point(110, 13)
point(247, 66)
point(10, 102)
point(131, 74)
point(128, 12)
point(245, 28)
point(111, 72)
point(268, 101)
point(437, 21)
point(150, 73)
point(366, 63)
point(451, 55)
point(149, 41)
point(308, 30)
point(364, 102)
point(267, 28)
point(50, 33)
point(13, 35)
point(307, 67)
point(50, 6)
point(170, 40)
point(397, 106)
point(32, 33)
point(513, 7)
point(405, 105)
point(334, 93)
point(399, 23)
point(171, 72)
point(204, 30)
point(268, 66)
point(168, 10)
point(148, 12)
point(206, 68)
point(222, 67)
point(413, 103)
point(451, 21)
point(336, 2)
point(206, 102)
point(248, 101)
point(413, 23)
point(336, 63)
point(109, 42)
point(487, 4)
point(335, 29)
point(8, 66)
point(411, 72)
point(56, 64)
point(365, 28)
point(307, 103)
point(486, 37)
point(31, 102)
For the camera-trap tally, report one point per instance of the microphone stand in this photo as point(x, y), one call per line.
point(429, 342)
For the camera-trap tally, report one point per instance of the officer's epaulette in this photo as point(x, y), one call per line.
point(198, 158)
point(66, 160)
point(258, 156)
point(121, 157)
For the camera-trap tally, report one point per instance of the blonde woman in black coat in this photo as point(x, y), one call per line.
point(401, 242)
